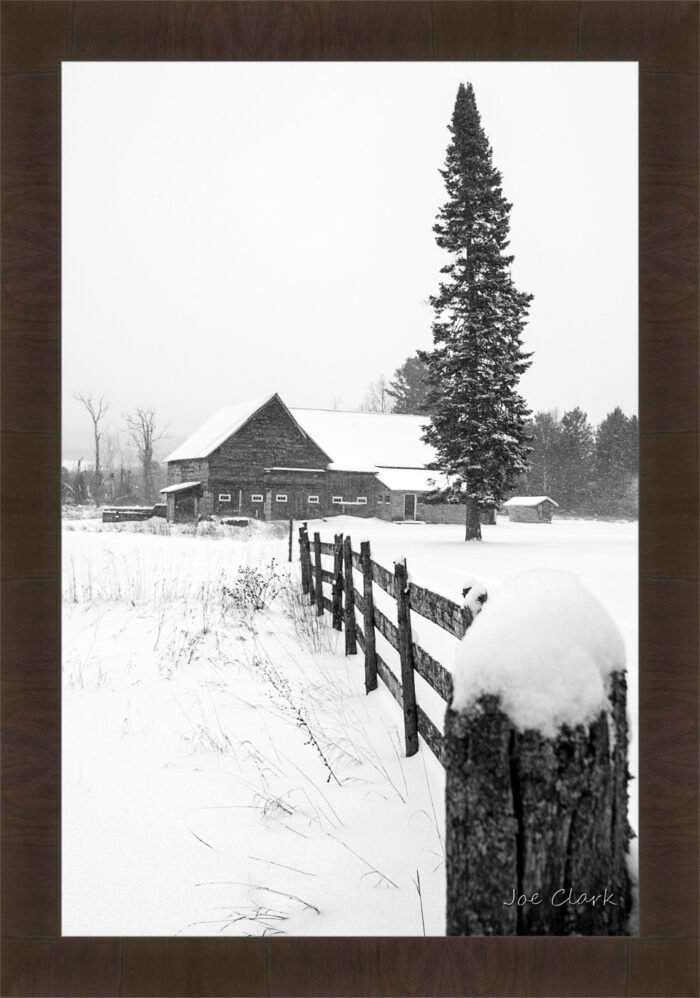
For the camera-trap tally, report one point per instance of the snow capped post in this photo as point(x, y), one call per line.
point(408, 682)
point(536, 763)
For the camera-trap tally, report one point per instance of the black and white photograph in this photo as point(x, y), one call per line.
point(349, 497)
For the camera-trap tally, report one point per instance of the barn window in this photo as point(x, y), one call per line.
point(224, 497)
point(387, 499)
point(281, 497)
point(337, 500)
point(313, 499)
point(256, 498)
point(380, 500)
point(362, 500)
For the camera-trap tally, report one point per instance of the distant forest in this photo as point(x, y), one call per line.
point(591, 471)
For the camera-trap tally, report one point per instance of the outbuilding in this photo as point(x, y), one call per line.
point(530, 509)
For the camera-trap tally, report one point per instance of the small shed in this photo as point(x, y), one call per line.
point(530, 509)
point(182, 501)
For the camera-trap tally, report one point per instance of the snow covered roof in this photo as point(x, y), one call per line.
point(364, 441)
point(411, 479)
point(353, 441)
point(216, 430)
point(182, 487)
point(529, 501)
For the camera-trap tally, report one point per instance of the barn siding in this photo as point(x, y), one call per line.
point(351, 485)
point(270, 438)
point(188, 471)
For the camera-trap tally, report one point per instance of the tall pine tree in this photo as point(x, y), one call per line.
point(478, 418)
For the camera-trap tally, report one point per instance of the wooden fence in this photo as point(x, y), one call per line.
point(536, 829)
point(410, 598)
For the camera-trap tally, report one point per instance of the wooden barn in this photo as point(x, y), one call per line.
point(262, 459)
point(530, 509)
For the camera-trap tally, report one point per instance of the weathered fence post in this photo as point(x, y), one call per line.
point(305, 581)
point(337, 598)
point(370, 642)
point(536, 811)
point(309, 573)
point(319, 574)
point(350, 623)
point(403, 609)
point(291, 535)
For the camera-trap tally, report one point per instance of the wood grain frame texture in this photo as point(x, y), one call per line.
point(36, 37)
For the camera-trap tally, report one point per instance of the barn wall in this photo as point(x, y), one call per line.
point(351, 485)
point(188, 471)
point(270, 438)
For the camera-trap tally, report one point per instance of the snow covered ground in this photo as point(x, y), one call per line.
point(223, 770)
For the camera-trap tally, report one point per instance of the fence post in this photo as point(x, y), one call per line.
point(291, 535)
point(319, 574)
point(403, 608)
point(350, 623)
point(302, 561)
point(309, 571)
point(528, 814)
point(337, 597)
point(370, 643)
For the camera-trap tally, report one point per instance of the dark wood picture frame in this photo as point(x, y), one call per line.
point(37, 35)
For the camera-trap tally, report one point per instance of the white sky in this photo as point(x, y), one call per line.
point(234, 229)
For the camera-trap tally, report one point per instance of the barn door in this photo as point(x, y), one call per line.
point(409, 506)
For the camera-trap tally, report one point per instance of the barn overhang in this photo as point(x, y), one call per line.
point(180, 487)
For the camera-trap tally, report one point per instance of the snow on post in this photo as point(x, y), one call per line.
point(536, 757)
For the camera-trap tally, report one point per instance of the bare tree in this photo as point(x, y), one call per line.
point(97, 410)
point(110, 449)
point(377, 398)
point(144, 434)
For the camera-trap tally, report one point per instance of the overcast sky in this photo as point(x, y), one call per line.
point(235, 229)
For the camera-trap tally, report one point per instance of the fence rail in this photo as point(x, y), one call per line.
point(410, 598)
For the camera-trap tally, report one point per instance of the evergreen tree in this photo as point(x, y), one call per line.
point(409, 387)
point(616, 464)
point(478, 418)
point(544, 475)
point(576, 462)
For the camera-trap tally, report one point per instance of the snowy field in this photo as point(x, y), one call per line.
point(223, 770)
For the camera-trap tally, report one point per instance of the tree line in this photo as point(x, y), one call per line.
point(111, 477)
point(589, 470)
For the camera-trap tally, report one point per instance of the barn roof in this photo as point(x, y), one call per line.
point(216, 430)
point(411, 479)
point(365, 441)
point(353, 441)
point(181, 487)
point(529, 501)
